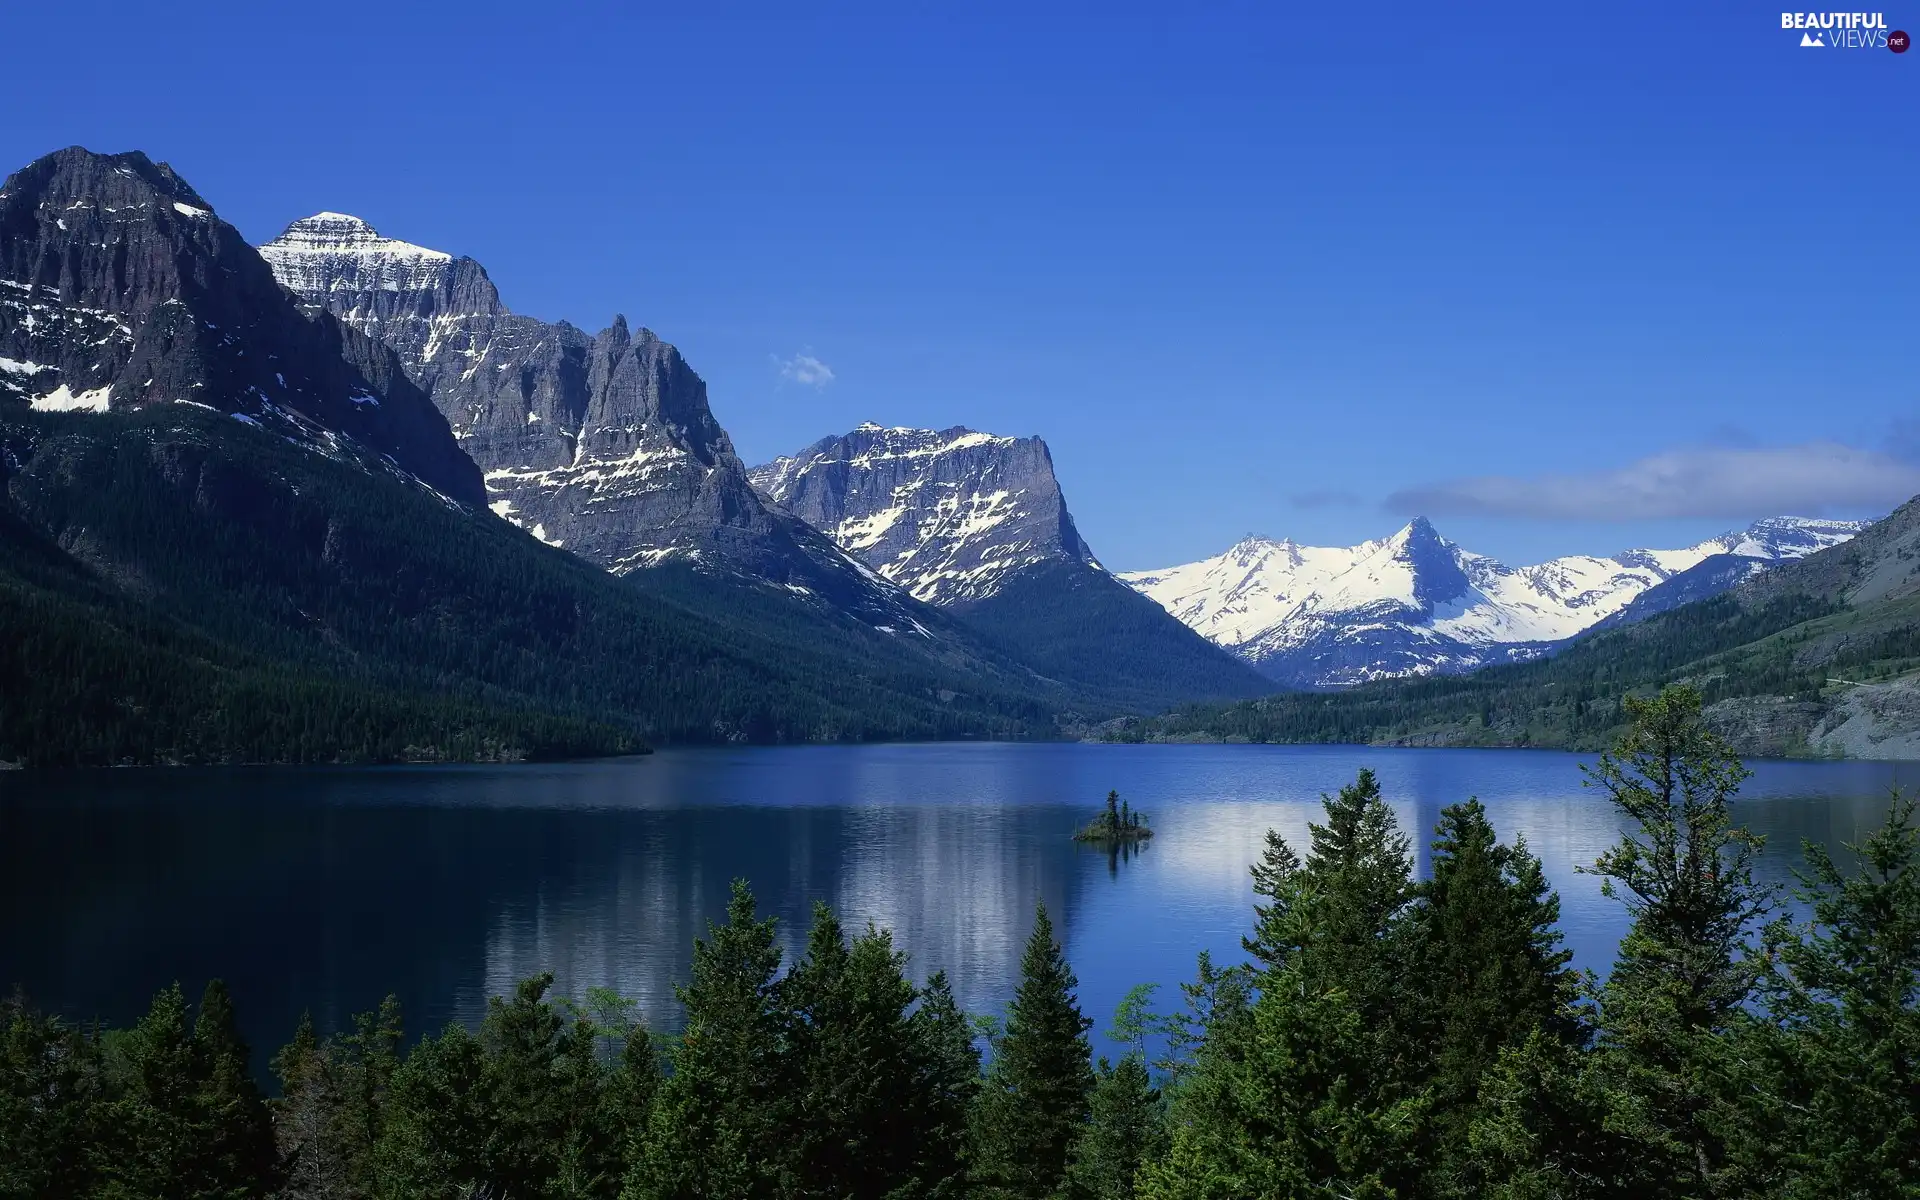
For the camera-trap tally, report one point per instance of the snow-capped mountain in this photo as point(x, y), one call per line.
point(947, 514)
point(976, 523)
point(1415, 603)
point(121, 288)
point(601, 443)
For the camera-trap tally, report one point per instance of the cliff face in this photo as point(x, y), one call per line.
point(120, 288)
point(947, 514)
point(977, 524)
point(601, 443)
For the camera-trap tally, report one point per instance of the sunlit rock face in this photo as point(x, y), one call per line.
point(947, 514)
point(602, 443)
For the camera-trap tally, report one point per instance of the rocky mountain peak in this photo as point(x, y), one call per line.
point(949, 514)
point(120, 288)
point(601, 443)
point(1415, 603)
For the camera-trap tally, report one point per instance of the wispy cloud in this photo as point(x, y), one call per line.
point(1324, 498)
point(805, 368)
point(1723, 482)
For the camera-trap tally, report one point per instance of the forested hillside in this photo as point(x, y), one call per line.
point(179, 587)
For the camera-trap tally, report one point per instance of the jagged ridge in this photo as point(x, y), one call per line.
point(1415, 603)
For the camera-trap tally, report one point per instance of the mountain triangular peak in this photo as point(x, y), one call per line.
point(1414, 603)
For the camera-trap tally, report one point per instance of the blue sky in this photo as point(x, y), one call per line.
point(1564, 280)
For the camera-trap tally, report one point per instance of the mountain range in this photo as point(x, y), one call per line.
point(1817, 656)
point(330, 499)
point(1414, 603)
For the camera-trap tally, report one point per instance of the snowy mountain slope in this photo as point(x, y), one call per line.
point(1414, 603)
point(976, 523)
point(603, 444)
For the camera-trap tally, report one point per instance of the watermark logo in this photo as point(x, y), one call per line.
point(1845, 31)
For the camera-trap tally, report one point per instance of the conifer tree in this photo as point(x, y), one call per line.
point(237, 1156)
point(307, 1121)
point(1034, 1102)
point(629, 1094)
point(1832, 1085)
point(1685, 872)
point(432, 1142)
point(721, 1123)
point(862, 1109)
point(157, 1136)
point(1127, 1128)
point(51, 1100)
point(1487, 960)
point(950, 1080)
point(1281, 1108)
point(1276, 880)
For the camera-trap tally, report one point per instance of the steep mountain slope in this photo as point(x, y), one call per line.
point(603, 444)
point(121, 289)
point(1417, 604)
point(1815, 656)
point(177, 586)
point(976, 524)
point(234, 530)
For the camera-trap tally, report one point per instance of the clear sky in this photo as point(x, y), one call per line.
point(1564, 278)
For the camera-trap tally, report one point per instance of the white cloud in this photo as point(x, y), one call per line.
point(1723, 482)
point(805, 368)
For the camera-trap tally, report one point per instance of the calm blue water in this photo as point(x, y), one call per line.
point(325, 889)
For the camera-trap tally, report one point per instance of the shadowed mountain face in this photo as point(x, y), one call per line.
point(121, 289)
point(603, 444)
point(1415, 603)
point(976, 524)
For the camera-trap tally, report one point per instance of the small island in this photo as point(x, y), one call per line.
point(1120, 825)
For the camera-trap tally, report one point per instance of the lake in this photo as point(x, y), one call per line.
point(327, 888)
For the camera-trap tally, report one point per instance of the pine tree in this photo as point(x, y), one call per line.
point(1034, 1101)
point(1276, 879)
point(629, 1093)
point(433, 1137)
point(949, 1065)
point(307, 1120)
point(51, 1105)
point(1540, 1131)
point(1127, 1129)
point(722, 1122)
point(156, 1135)
point(1280, 1107)
point(237, 1156)
point(1685, 872)
point(1487, 960)
point(1833, 1102)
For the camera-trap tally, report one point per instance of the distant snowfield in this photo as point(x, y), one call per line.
point(1266, 599)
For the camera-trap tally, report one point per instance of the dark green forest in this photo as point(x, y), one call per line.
point(1723, 647)
point(1387, 1037)
point(176, 588)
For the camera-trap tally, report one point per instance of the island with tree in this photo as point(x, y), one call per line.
point(1121, 824)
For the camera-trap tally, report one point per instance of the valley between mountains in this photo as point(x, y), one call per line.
point(331, 499)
